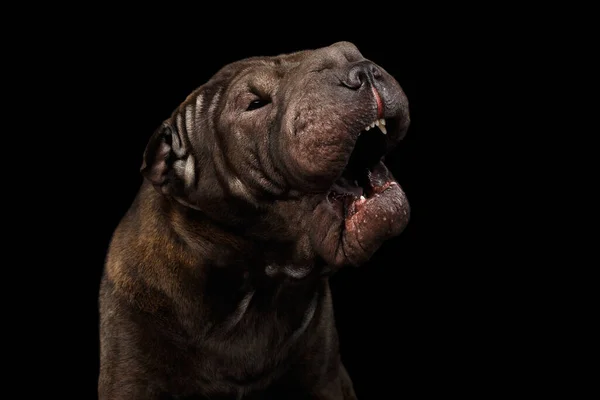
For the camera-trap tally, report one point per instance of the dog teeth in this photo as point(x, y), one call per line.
point(380, 123)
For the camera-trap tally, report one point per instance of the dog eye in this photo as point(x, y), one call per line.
point(258, 103)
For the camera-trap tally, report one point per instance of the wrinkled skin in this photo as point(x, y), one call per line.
point(261, 184)
point(289, 152)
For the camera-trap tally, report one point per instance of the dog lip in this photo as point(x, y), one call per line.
point(362, 201)
point(380, 107)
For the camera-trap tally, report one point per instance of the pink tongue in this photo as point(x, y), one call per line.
point(379, 103)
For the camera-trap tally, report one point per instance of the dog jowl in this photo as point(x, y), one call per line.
point(262, 183)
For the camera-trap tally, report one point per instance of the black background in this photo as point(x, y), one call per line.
point(424, 316)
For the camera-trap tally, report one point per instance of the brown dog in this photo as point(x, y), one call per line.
point(262, 183)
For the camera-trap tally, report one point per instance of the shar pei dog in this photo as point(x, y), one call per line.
point(266, 180)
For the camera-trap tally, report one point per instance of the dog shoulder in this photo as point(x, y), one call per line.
point(132, 249)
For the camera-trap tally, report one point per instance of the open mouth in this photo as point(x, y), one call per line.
point(365, 205)
point(371, 205)
point(365, 176)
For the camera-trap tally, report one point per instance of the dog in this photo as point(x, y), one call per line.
point(265, 181)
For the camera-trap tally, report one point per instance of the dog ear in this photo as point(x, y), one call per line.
point(167, 163)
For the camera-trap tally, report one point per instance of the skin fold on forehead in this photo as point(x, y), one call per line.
point(279, 65)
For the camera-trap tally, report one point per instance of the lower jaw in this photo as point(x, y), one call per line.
point(375, 182)
point(368, 221)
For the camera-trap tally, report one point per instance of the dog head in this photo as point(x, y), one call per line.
point(308, 129)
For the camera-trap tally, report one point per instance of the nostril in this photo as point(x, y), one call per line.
point(356, 78)
point(361, 72)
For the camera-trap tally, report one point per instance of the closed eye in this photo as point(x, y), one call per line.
point(256, 104)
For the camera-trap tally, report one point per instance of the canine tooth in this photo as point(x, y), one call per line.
point(382, 121)
point(383, 129)
point(362, 198)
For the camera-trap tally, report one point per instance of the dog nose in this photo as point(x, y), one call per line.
point(361, 72)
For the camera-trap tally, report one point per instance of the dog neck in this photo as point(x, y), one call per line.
point(263, 249)
point(272, 238)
